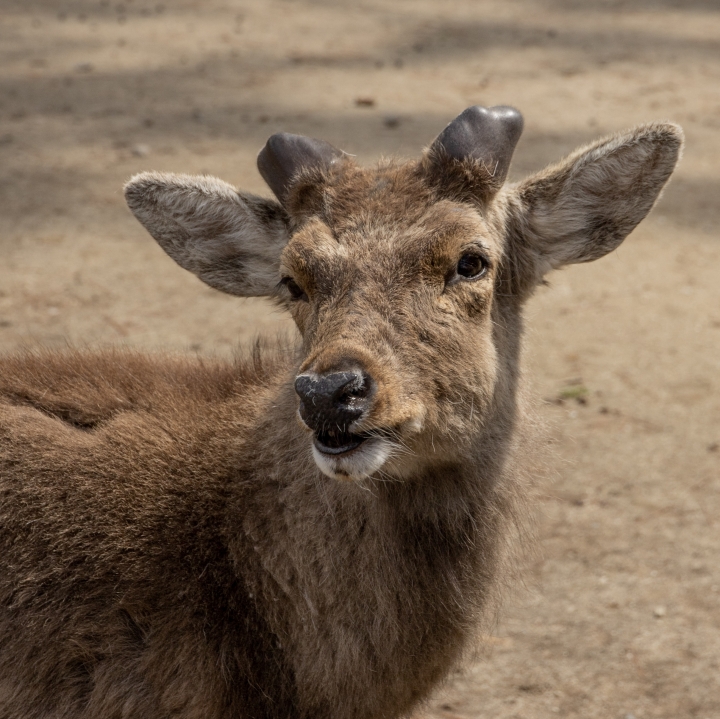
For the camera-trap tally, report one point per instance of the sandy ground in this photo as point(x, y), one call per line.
point(621, 613)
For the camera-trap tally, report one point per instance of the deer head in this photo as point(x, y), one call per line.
point(406, 281)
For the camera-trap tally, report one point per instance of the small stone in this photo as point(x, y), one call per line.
point(391, 121)
point(659, 612)
point(365, 101)
point(141, 150)
point(84, 67)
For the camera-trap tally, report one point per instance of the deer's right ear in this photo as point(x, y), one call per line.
point(231, 241)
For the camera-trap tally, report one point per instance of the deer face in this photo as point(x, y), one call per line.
point(392, 292)
point(401, 279)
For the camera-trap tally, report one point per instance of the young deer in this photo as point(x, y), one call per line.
point(310, 532)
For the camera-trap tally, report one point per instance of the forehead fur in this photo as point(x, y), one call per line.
point(345, 193)
point(393, 196)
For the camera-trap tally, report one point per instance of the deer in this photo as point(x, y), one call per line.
point(316, 528)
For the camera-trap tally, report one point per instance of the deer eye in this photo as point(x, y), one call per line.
point(296, 292)
point(472, 266)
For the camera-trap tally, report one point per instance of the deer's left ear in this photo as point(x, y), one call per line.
point(584, 207)
point(231, 240)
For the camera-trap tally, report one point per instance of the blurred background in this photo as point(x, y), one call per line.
point(620, 616)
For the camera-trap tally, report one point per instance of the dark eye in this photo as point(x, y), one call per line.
point(296, 292)
point(471, 266)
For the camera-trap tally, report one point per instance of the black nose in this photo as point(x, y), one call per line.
point(334, 399)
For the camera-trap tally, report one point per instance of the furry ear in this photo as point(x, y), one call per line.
point(584, 207)
point(231, 241)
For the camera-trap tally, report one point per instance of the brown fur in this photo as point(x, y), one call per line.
point(169, 546)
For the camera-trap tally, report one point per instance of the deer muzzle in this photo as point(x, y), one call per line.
point(331, 403)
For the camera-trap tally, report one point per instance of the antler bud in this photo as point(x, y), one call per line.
point(285, 156)
point(486, 136)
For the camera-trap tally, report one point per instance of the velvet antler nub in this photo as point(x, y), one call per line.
point(285, 155)
point(484, 134)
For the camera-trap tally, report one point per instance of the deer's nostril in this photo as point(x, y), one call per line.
point(358, 389)
point(337, 398)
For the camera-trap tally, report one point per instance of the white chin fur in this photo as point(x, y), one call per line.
point(362, 462)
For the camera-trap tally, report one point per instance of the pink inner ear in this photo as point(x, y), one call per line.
point(487, 135)
point(286, 155)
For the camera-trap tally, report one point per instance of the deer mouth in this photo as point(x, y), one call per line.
point(344, 455)
point(336, 441)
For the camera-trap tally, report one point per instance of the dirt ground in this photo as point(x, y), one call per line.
point(620, 617)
